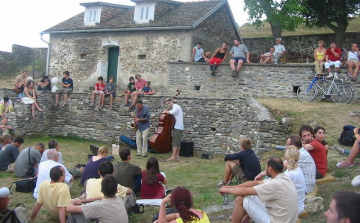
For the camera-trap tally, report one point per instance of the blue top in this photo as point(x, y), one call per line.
point(91, 170)
point(198, 54)
point(8, 155)
point(68, 81)
point(248, 161)
point(143, 114)
point(146, 89)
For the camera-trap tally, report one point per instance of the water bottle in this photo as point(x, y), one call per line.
point(307, 60)
point(225, 198)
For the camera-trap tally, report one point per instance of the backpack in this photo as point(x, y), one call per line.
point(131, 206)
point(18, 215)
point(347, 136)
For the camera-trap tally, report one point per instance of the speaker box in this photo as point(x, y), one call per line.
point(187, 149)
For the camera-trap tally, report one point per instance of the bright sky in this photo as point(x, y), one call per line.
point(23, 20)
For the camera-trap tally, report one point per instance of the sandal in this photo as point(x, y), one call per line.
point(344, 164)
point(56, 104)
point(63, 106)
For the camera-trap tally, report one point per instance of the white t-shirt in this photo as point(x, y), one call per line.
point(177, 112)
point(7, 104)
point(279, 49)
point(44, 174)
point(298, 179)
point(44, 157)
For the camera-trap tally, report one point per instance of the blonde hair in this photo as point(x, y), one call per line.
point(292, 156)
point(103, 150)
point(245, 143)
point(5, 138)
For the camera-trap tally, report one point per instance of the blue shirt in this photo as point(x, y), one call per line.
point(143, 114)
point(198, 54)
point(248, 161)
point(68, 81)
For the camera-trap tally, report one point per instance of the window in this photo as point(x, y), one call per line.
point(142, 56)
point(92, 15)
point(144, 12)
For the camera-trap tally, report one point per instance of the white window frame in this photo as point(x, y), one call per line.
point(144, 12)
point(92, 15)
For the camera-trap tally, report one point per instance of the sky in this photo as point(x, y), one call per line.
point(23, 20)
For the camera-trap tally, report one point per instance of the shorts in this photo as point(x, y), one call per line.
point(176, 138)
point(201, 60)
point(64, 90)
point(238, 173)
point(98, 92)
point(106, 95)
point(353, 60)
point(332, 63)
point(256, 209)
point(239, 58)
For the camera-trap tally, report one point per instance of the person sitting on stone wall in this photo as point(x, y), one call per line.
point(319, 56)
point(332, 58)
point(240, 55)
point(279, 50)
point(30, 97)
point(110, 91)
point(6, 105)
point(353, 60)
point(268, 57)
point(67, 88)
point(99, 90)
point(139, 85)
point(198, 54)
point(147, 89)
point(5, 128)
point(129, 91)
point(218, 57)
point(44, 84)
point(244, 165)
point(20, 82)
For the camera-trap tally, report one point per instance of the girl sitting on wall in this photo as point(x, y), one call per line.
point(218, 57)
point(30, 97)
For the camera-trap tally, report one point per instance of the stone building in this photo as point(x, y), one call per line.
point(121, 41)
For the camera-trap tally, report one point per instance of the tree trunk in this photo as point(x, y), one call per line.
point(339, 38)
point(276, 30)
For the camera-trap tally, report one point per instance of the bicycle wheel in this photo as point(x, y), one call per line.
point(306, 92)
point(341, 93)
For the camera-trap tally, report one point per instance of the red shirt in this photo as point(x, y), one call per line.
point(140, 84)
point(319, 156)
point(99, 87)
point(155, 191)
point(332, 57)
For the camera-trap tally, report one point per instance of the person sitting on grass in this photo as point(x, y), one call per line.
point(320, 136)
point(30, 97)
point(99, 90)
point(5, 128)
point(26, 167)
point(147, 89)
point(6, 105)
point(244, 165)
point(110, 91)
point(92, 187)
point(344, 208)
point(53, 144)
point(130, 91)
point(44, 84)
point(20, 211)
point(109, 208)
point(152, 181)
point(355, 150)
point(92, 166)
point(4, 140)
point(181, 200)
point(67, 88)
point(268, 58)
point(9, 154)
point(54, 195)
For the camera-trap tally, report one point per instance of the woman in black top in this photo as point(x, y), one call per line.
point(218, 57)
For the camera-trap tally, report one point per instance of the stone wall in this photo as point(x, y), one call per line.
point(254, 80)
point(298, 47)
point(19, 57)
point(213, 124)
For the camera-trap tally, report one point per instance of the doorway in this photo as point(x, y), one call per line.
point(113, 63)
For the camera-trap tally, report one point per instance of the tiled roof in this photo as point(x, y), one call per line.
point(180, 14)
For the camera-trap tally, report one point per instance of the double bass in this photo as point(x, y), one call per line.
point(160, 141)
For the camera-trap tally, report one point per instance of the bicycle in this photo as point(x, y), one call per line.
point(340, 93)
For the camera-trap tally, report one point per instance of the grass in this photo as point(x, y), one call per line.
point(201, 176)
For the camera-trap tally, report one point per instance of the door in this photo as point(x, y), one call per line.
point(113, 63)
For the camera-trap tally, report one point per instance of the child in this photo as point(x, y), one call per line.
point(110, 91)
point(6, 105)
point(67, 88)
point(130, 89)
point(147, 89)
point(99, 89)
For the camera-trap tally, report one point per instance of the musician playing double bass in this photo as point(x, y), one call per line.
point(142, 118)
point(176, 111)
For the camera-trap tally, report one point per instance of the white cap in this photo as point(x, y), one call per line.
point(4, 192)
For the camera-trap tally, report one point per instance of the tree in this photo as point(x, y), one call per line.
point(282, 15)
point(334, 14)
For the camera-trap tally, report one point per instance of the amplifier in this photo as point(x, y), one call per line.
point(187, 149)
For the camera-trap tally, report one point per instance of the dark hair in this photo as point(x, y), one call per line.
point(66, 72)
point(100, 78)
point(137, 75)
point(152, 169)
point(112, 78)
point(41, 145)
point(105, 168)
point(276, 163)
point(109, 186)
point(6, 98)
point(306, 128)
point(131, 78)
point(45, 77)
point(148, 82)
point(296, 141)
point(200, 43)
point(138, 101)
point(23, 71)
point(55, 173)
point(317, 128)
point(52, 144)
point(182, 201)
point(332, 42)
point(29, 82)
point(347, 205)
point(124, 153)
point(18, 139)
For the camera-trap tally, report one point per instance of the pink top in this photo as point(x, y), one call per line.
point(140, 84)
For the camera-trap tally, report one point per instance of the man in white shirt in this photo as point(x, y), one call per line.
point(177, 112)
point(353, 60)
point(279, 50)
point(53, 144)
point(46, 166)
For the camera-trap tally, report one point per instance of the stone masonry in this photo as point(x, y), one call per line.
point(213, 124)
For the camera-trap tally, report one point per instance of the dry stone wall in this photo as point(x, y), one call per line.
point(213, 124)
